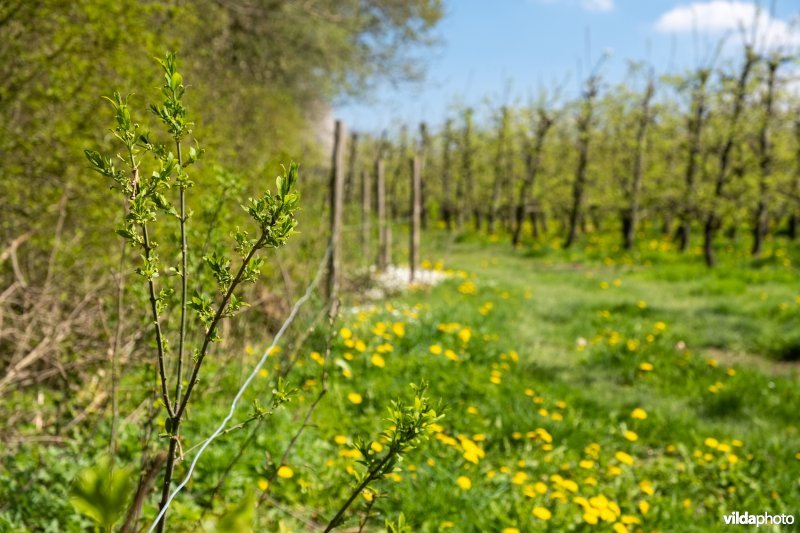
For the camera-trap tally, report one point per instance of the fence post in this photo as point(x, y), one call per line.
point(366, 214)
point(384, 232)
point(416, 212)
point(337, 197)
point(350, 185)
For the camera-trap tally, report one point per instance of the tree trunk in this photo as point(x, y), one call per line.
point(584, 134)
point(533, 161)
point(712, 220)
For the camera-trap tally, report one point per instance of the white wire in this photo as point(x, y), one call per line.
point(239, 394)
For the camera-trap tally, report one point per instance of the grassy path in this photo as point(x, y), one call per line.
point(586, 393)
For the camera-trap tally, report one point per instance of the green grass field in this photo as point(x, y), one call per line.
point(581, 390)
point(578, 390)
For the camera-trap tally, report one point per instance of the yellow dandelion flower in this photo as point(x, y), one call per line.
point(376, 447)
point(340, 440)
point(646, 487)
point(510, 530)
point(285, 472)
point(624, 458)
point(263, 373)
point(399, 329)
point(631, 436)
point(263, 484)
point(646, 367)
point(345, 333)
point(378, 360)
point(355, 398)
point(464, 483)
point(435, 349)
point(639, 414)
point(465, 334)
point(542, 513)
point(711, 442)
point(644, 507)
point(619, 527)
point(519, 478)
point(712, 362)
point(360, 346)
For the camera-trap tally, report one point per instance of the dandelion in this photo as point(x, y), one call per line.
point(519, 478)
point(376, 447)
point(464, 483)
point(263, 373)
point(450, 354)
point(631, 436)
point(646, 487)
point(510, 530)
point(632, 345)
point(644, 507)
point(435, 349)
point(360, 346)
point(620, 528)
point(285, 472)
point(263, 484)
point(317, 357)
point(447, 524)
point(340, 440)
point(586, 464)
point(399, 329)
point(642, 304)
point(604, 285)
point(345, 333)
point(465, 335)
point(542, 513)
point(378, 360)
point(646, 367)
point(731, 372)
point(639, 414)
point(355, 398)
point(712, 362)
point(624, 458)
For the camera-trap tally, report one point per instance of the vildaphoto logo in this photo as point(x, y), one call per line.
point(758, 520)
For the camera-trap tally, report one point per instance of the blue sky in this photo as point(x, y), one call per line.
point(503, 51)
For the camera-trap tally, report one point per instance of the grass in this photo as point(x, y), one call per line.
point(641, 392)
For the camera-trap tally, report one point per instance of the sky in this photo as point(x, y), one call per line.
point(506, 51)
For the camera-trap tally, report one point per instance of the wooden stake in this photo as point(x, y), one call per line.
point(384, 232)
point(416, 215)
point(337, 197)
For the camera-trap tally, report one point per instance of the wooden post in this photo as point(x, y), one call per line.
point(350, 180)
point(416, 215)
point(366, 214)
point(384, 232)
point(337, 197)
point(424, 142)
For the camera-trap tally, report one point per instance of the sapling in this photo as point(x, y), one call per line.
point(149, 207)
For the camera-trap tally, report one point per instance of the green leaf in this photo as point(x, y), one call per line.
point(101, 492)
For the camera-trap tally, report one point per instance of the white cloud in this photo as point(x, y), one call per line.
point(721, 16)
point(589, 5)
